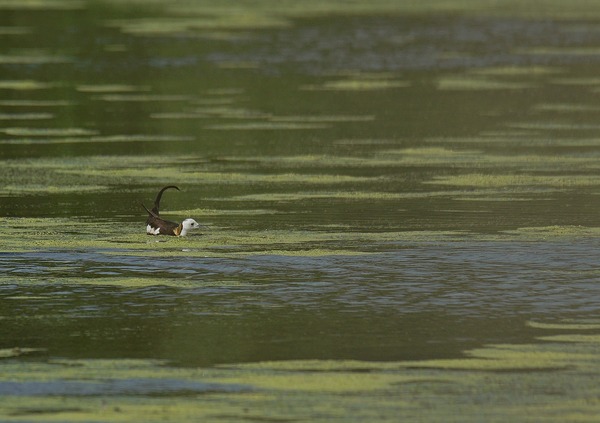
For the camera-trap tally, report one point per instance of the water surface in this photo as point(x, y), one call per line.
point(401, 210)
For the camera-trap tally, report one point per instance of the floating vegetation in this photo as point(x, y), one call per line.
point(555, 126)
point(26, 116)
point(556, 231)
point(470, 83)
point(555, 379)
point(143, 98)
point(36, 189)
point(32, 59)
point(324, 118)
point(178, 115)
point(111, 88)
point(349, 195)
point(98, 139)
point(560, 51)
point(518, 71)
point(42, 4)
point(360, 82)
point(47, 132)
point(509, 180)
point(39, 234)
point(24, 85)
point(18, 351)
point(565, 325)
point(267, 126)
point(206, 177)
point(566, 108)
point(35, 103)
point(576, 81)
point(170, 26)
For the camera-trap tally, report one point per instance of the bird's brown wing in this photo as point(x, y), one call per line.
point(165, 227)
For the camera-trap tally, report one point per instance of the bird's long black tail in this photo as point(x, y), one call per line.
point(150, 212)
point(155, 209)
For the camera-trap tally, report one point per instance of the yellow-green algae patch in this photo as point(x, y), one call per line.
point(18, 351)
point(517, 71)
point(116, 281)
point(178, 173)
point(35, 234)
point(41, 234)
point(566, 108)
point(144, 98)
point(440, 155)
point(358, 84)
point(267, 126)
point(554, 380)
point(556, 231)
point(473, 83)
point(30, 189)
point(42, 4)
point(47, 132)
point(97, 139)
point(111, 88)
point(35, 103)
point(522, 180)
point(564, 325)
point(324, 118)
point(36, 58)
point(26, 116)
point(24, 85)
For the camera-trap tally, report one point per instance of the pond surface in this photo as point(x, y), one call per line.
point(400, 208)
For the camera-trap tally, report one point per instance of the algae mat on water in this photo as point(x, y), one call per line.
point(553, 379)
point(44, 234)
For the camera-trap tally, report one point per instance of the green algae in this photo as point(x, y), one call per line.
point(98, 139)
point(555, 126)
point(47, 132)
point(556, 231)
point(471, 83)
point(38, 58)
point(176, 173)
point(22, 235)
point(555, 379)
point(35, 103)
point(267, 126)
point(560, 51)
point(40, 234)
point(41, 4)
point(358, 84)
point(511, 180)
point(576, 81)
point(18, 351)
point(566, 108)
point(564, 325)
point(205, 17)
point(31, 189)
point(111, 88)
point(517, 71)
point(143, 98)
point(24, 85)
point(26, 116)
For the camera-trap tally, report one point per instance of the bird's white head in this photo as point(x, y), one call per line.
point(188, 225)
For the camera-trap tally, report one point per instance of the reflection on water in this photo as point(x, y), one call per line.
point(382, 187)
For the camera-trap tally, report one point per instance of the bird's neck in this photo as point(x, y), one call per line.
point(180, 230)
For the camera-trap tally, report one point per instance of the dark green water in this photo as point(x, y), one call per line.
point(381, 187)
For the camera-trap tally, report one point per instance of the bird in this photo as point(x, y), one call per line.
point(156, 225)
